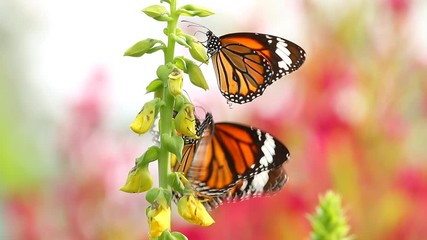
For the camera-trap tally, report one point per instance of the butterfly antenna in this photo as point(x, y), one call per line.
point(193, 24)
point(188, 96)
point(204, 34)
point(202, 108)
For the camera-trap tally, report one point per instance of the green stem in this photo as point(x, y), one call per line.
point(166, 110)
point(171, 29)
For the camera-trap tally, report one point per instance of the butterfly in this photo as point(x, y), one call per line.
point(232, 162)
point(246, 64)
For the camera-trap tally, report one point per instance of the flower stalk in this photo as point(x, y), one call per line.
point(168, 98)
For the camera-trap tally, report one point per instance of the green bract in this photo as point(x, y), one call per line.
point(152, 194)
point(163, 72)
point(173, 144)
point(154, 85)
point(180, 101)
point(150, 155)
point(180, 40)
point(180, 63)
point(144, 46)
point(174, 180)
point(158, 194)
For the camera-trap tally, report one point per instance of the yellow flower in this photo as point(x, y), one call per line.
point(139, 180)
point(193, 211)
point(185, 121)
point(158, 219)
point(145, 118)
point(175, 82)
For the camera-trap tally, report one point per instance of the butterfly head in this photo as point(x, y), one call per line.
point(213, 43)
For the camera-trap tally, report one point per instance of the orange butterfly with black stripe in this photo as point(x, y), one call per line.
point(246, 63)
point(232, 162)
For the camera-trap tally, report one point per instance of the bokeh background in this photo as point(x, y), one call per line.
point(354, 117)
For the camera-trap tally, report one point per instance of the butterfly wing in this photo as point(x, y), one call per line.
point(246, 63)
point(233, 162)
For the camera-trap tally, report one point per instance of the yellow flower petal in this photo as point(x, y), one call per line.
point(175, 82)
point(145, 118)
point(139, 180)
point(193, 211)
point(185, 121)
point(158, 219)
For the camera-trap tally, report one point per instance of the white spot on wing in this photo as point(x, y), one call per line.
point(268, 149)
point(244, 184)
point(284, 53)
point(259, 133)
point(259, 181)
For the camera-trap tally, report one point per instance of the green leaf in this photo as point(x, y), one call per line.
point(173, 144)
point(144, 46)
point(157, 12)
point(193, 10)
point(180, 40)
point(195, 74)
point(154, 85)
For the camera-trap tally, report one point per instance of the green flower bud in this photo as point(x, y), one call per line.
point(197, 50)
point(157, 12)
point(196, 75)
point(193, 10)
point(144, 46)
